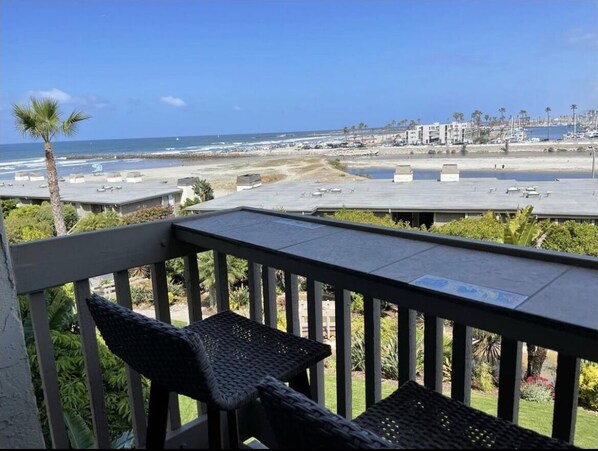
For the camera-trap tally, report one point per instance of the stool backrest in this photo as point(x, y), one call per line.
point(172, 357)
point(300, 423)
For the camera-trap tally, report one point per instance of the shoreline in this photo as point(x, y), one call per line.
point(304, 165)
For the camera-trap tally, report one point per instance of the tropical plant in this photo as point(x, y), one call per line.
point(548, 110)
point(237, 271)
point(41, 119)
point(81, 435)
point(485, 346)
point(521, 228)
point(70, 365)
point(502, 110)
point(573, 108)
point(203, 190)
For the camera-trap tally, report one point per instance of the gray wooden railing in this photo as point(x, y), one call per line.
point(44, 264)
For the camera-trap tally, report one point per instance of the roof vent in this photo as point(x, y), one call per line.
point(76, 178)
point(114, 177)
point(36, 176)
point(134, 177)
point(21, 175)
point(403, 173)
point(316, 194)
point(449, 173)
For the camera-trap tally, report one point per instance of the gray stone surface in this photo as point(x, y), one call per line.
point(19, 426)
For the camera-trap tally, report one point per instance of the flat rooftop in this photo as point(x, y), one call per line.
point(559, 198)
point(87, 192)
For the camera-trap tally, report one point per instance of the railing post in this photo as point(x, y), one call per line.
point(566, 394)
point(407, 345)
point(47, 369)
point(256, 312)
point(461, 366)
point(509, 381)
point(135, 390)
point(93, 370)
point(342, 311)
point(269, 286)
point(192, 290)
point(162, 307)
point(314, 315)
point(433, 355)
point(221, 278)
point(373, 368)
point(291, 300)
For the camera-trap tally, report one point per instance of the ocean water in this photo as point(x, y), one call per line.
point(114, 155)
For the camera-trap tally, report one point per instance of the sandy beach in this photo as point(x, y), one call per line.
point(315, 165)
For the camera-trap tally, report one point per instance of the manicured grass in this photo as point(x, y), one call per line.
point(535, 416)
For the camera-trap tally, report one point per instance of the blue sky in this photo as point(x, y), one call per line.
point(176, 68)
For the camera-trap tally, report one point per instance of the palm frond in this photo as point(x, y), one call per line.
point(70, 123)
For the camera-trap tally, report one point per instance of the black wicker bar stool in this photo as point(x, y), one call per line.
point(219, 361)
point(411, 417)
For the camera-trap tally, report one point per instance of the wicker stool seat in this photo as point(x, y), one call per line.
point(411, 417)
point(219, 361)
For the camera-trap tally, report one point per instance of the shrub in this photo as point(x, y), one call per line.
point(588, 385)
point(537, 389)
point(482, 376)
point(239, 298)
point(142, 294)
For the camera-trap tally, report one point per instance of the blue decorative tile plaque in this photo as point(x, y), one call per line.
point(470, 291)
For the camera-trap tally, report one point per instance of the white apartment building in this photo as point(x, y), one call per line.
point(436, 133)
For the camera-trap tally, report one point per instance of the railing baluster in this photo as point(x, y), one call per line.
point(509, 379)
point(221, 276)
point(433, 352)
point(136, 399)
point(192, 290)
point(291, 301)
point(342, 313)
point(269, 286)
point(256, 312)
point(93, 370)
point(407, 345)
point(566, 391)
point(47, 369)
point(461, 366)
point(161, 304)
point(314, 330)
point(373, 367)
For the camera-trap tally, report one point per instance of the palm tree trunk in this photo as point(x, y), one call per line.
point(535, 360)
point(54, 190)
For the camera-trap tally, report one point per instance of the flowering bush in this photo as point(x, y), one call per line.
point(588, 385)
point(537, 389)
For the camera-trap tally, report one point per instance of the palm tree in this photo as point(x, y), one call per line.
point(458, 116)
point(476, 117)
point(522, 117)
point(346, 132)
point(203, 190)
point(573, 108)
point(502, 110)
point(41, 119)
point(548, 110)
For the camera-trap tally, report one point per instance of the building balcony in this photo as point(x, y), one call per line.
point(524, 295)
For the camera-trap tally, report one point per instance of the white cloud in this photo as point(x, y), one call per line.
point(174, 101)
point(54, 93)
point(581, 36)
point(237, 108)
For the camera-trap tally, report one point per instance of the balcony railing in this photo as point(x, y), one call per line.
point(44, 264)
